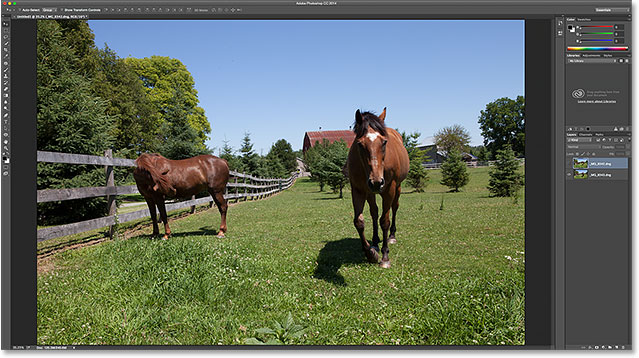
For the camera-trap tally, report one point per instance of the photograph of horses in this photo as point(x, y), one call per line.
point(320, 183)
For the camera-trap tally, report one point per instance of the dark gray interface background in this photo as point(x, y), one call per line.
point(597, 203)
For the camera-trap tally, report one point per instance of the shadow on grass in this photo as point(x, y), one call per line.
point(203, 231)
point(329, 198)
point(335, 254)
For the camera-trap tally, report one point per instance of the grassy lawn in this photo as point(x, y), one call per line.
point(457, 275)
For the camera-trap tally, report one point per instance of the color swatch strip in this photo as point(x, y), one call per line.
point(621, 48)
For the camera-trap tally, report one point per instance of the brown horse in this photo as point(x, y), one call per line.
point(159, 178)
point(377, 164)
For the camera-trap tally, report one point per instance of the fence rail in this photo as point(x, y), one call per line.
point(470, 164)
point(243, 186)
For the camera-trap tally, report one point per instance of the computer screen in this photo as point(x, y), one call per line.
point(316, 174)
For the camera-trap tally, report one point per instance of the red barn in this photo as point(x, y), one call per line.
point(310, 138)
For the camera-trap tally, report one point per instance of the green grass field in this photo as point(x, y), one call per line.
point(457, 276)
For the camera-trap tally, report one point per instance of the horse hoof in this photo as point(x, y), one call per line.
point(165, 237)
point(384, 264)
point(392, 240)
point(220, 235)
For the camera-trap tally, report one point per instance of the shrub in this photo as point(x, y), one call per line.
point(454, 171)
point(505, 178)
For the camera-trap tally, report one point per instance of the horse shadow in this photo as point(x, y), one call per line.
point(335, 254)
point(329, 198)
point(203, 231)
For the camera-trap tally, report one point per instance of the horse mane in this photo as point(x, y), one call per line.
point(146, 162)
point(369, 119)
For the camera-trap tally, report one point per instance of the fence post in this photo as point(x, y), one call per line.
point(245, 190)
point(237, 198)
point(193, 206)
point(110, 182)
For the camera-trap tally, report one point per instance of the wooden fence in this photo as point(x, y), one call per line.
point(240, 186)
point(475, 164)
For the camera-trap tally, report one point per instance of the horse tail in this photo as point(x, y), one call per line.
point(145, 163)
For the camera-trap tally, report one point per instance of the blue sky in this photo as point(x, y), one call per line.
point(279, 79)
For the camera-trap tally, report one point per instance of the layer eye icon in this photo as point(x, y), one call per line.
point(578, 93)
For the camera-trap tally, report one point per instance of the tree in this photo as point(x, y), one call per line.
point(313, 159)
point(249, 160)
point(325, 161)
point(502, 123)
point(454, 171)
point(505, 178)
point(483, 155)
point(281, 159)
point(137, 121)
point(272, 167)
point(333, 163)
point(227, 153)
point(180, 137)
point(417, 174)
point(453, 137)
point(70, 118)
point(171, 89)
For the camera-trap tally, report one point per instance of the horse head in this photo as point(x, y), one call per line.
point(370, 132)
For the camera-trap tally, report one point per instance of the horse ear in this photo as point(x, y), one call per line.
point(383, 115)
point(358, 117)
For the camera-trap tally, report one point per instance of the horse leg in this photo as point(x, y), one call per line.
point(358, 221)
point(391, 238)
point(222, 206)
point(154, 217)
point(372, 205)
point(387, 200)
point(165, 220)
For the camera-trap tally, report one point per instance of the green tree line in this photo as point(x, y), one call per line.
point(280, 162)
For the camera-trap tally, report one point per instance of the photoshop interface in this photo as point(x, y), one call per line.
point(593, 86)
point(577, 193)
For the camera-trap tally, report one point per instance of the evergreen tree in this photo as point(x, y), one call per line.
point(454, 171)
point(313, 159)
point(483, 155)
point(71, 119)
point(282, 158)
point(417, 174)
point(137, 121)
point(267, 168)
point(325, 161)
point(505, 178)
point(333, 163)
point(180, 137)
point(249, 160)
point(227, 153)
point(273, 166)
